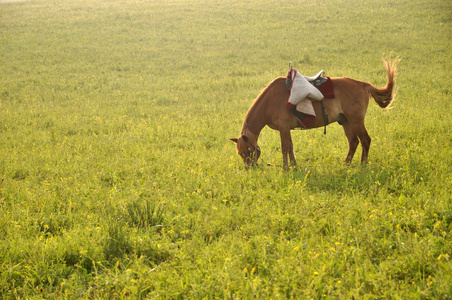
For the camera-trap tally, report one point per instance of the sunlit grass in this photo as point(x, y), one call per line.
point(118, 179)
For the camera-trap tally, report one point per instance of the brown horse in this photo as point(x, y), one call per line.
point(348, 107)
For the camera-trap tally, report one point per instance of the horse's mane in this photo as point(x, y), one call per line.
point(267, 88)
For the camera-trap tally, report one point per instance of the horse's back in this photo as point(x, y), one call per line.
point(351, 100)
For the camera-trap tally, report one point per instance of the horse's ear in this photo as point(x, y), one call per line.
point(234, 140)
point(245, 138)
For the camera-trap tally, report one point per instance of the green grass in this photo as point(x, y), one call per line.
point(118, 180)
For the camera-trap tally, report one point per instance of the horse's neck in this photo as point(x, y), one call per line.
point(253, 124)
point(256, 117)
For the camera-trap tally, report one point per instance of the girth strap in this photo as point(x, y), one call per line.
point(325, 116)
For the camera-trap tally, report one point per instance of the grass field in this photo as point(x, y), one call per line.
point(118, 179)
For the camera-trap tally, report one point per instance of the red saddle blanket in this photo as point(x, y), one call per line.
point(327, 89)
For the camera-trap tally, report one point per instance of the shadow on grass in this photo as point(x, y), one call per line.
point(369, 178)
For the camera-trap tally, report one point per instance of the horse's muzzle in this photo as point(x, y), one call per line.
point(253, 157)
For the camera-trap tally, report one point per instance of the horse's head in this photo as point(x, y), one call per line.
point(247, 149)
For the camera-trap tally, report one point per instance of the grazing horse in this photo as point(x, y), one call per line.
point(348, 108)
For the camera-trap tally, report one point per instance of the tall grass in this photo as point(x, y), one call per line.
point(118, 179)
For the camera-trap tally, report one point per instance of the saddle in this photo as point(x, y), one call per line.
point(316, 80)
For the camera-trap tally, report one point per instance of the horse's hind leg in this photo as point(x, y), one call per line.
point(364, 138)
point(352, 141)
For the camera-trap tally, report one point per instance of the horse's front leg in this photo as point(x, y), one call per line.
point(287, 149)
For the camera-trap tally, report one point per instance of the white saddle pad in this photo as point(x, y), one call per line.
point(302, 92)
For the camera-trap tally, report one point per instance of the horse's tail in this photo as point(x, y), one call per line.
point(385, 96)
